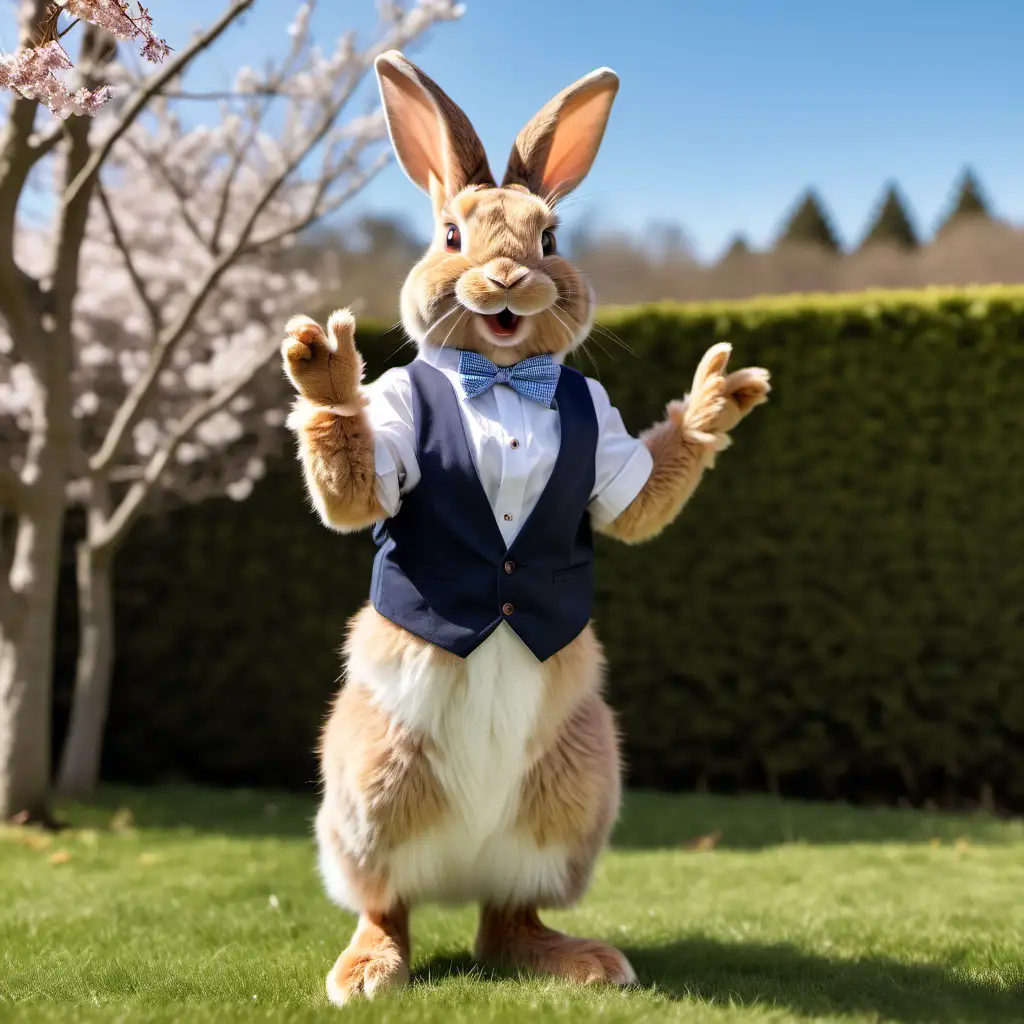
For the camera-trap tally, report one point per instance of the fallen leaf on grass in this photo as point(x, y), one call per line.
point(149, 859)
point(60, 857)
point(27, 837)
point(962, 845)
point(704, 843)
point(122, 820)
point(934, 842)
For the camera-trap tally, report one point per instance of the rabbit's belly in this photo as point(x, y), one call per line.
point(481, 731)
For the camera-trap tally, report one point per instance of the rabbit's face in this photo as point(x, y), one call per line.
point(494, 282)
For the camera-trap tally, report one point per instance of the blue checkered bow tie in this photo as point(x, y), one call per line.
point(535, 378)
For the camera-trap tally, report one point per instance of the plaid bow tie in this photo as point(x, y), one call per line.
point(535, 378)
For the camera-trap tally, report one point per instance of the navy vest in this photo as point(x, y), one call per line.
point(442, 570)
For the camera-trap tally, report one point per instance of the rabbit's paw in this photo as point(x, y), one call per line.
point(520, 939)
point(367, 968)
point(324, 366)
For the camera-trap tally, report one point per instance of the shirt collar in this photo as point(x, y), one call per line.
point(442, 357)
point(445, 357)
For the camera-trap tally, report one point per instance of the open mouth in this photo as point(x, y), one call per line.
point(502, 324)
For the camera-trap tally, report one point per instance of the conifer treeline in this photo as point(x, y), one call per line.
point(890, 223)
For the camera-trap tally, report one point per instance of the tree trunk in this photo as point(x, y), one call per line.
point(26, 658)
point(83, 747)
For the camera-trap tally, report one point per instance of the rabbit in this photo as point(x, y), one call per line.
point(469, 755)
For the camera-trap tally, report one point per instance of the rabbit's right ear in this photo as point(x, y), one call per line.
point(433, 139)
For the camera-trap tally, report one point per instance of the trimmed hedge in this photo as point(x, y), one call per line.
point(838, 612)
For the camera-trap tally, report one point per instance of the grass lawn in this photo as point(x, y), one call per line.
point(193, 905)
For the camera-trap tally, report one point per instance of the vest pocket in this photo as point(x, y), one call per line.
point(570, 574)
point(433, 570)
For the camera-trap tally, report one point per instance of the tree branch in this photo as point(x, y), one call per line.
point(130, 410)
point(18, 291)
point(131, 504)
point(320, 212)
point(157, 166)
point(155, 319)
point(153, 85)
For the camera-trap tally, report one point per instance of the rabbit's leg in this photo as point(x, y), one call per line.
point(376, 959)
point(570, 801)
point(685, 444)
point(379, 792)
point(335, 438)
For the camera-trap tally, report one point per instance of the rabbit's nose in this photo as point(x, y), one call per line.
point(504, 273)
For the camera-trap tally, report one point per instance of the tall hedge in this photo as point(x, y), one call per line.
point(838, 611)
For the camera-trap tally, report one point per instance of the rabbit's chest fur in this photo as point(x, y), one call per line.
point(480, 723)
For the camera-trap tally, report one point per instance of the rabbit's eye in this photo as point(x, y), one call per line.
point(547, 243)
point(453, 240)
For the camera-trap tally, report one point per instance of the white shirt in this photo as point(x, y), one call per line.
point(513, 440)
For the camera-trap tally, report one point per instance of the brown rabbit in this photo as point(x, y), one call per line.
point(470, 755)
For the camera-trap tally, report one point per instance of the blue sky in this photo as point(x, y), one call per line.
point(727, 109)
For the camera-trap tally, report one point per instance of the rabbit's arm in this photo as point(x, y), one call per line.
point(684, 444)
point(679, 461)
point(336, 444)
point(337, 455)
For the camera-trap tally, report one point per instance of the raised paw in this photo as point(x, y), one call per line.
point(743, 391)
point(324, 367)
point(373, 963)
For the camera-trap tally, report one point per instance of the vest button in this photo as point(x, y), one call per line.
point(513, 443)
point(507, 517)
point(510, 567)
point(507, 608)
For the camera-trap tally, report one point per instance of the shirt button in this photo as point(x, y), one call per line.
point(508, 517)
point(507, 608)
point(510, 567)
point(513, 443)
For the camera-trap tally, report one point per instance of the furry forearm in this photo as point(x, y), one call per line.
point(680, 457)
point(338, 461)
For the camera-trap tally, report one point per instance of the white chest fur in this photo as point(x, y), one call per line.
point(480, 722)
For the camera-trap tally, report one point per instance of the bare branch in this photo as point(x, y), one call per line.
point(318, 212)
point(153, 85)
point(179, 193)
point(130, 410)
point(131, 504)
point(17, 290)
point(155, 319)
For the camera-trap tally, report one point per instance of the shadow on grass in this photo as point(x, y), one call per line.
point(784, 977)
point(649, 821)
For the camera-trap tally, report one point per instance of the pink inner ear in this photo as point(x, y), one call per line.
point(415, 130)
point(575, 141)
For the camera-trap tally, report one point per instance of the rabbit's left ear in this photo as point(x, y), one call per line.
point(554, 152)
point(433, 139)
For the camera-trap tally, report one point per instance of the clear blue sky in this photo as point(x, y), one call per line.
point(727, 109)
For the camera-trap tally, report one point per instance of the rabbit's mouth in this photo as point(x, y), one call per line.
point(503, 324)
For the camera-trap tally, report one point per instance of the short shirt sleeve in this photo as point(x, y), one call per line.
point(390, 414)
point(622, 463)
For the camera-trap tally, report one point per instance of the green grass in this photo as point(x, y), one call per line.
point(206, 907)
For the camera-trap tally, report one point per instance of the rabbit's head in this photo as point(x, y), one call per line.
point(493, 280)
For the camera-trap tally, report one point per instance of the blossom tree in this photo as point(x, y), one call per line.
point(137, 328)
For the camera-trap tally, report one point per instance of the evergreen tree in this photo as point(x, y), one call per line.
point(809, 224)
point(739, 246)
point(891, 223)
point(970, 202)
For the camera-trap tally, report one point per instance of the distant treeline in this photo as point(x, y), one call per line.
point(970, 246)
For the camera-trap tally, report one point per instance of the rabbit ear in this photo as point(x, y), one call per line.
point(554, 152)
point(433, 139)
